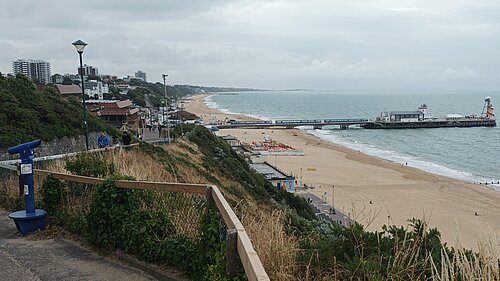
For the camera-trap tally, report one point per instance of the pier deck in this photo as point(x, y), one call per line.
point(316, 123)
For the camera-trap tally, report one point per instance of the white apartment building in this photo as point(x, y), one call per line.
point(96, 89)
point(35, 69)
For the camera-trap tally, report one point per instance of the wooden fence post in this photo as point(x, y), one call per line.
point(210, 199)
point(232, 262)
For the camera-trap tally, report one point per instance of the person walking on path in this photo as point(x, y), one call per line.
point(126, 138)
point(102, 140)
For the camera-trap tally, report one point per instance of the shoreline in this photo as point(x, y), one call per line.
point(397, 193)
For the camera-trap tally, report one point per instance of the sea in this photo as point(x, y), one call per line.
point(468, 154)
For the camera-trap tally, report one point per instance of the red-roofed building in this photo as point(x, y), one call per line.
point(65, 91)
point(120, 114)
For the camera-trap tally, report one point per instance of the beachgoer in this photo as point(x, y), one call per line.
point(126, 138)
point(102, 140)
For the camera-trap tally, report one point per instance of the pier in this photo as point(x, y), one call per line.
point(315, 123)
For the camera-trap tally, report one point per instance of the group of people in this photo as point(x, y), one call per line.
point(103, 141)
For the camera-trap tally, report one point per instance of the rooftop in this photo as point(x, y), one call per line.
point(68, 89)
point(268, 171)
point(403, 112)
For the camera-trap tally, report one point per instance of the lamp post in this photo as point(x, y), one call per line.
point(165, 110)
point(80, 45)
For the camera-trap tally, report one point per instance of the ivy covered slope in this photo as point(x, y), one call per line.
point(26, 114)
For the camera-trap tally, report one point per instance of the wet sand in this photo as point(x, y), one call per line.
point(397, 192)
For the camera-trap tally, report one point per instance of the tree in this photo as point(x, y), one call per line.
point(67, 81)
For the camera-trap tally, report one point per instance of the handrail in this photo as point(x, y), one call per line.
point(158, 186)
point(250, 260)
point(59, 156)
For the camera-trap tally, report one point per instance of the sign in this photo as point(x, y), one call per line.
point(26, 169)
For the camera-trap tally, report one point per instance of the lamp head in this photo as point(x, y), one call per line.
point(79, 45)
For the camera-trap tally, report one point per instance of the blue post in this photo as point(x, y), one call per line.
point(31, 219)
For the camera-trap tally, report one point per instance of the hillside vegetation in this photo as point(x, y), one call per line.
point(26, 114)
point(156, 92)
point(180, 230)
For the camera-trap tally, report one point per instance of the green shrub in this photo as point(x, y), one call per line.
point(396, 253)
point(90, 165)
point(110, 209)
point(52, 194)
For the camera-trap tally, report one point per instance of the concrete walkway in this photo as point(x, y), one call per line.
point(55, 259)
point(323, 210)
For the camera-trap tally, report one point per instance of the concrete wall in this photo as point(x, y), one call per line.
point(59, 146)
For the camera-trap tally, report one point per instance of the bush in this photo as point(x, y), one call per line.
point(90, 165)
point(396, 253)
point(110, 209)
point(52, 194)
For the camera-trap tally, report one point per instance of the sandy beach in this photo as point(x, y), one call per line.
point(464, 213)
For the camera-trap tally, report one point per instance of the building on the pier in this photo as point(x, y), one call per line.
point(276, 177)
point(402, 116)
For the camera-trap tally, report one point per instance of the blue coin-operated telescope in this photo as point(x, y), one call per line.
point(31, 219)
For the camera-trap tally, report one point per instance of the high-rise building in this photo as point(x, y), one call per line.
point(88, 70)
point(38, 70)
point(141, 74)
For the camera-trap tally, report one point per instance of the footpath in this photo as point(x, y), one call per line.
point(22, 258)
point(322, 209)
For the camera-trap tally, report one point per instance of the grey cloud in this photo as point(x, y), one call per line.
point(270, 44)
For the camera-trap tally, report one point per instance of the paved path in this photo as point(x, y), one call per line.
point(323, 210)
point(153, 136)
point(55, 259)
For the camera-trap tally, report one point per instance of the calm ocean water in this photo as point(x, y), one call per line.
point(470, 154)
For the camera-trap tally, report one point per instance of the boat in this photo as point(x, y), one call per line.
point(421, 119)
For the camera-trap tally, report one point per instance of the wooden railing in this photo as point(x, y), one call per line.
point(238, 242)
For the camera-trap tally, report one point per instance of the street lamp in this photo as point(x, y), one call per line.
point(165, 110)
point(80, 45)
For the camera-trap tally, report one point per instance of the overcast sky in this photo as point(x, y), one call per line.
point(323, 44)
